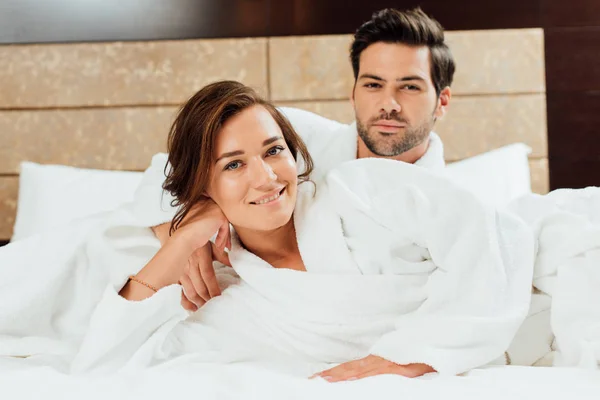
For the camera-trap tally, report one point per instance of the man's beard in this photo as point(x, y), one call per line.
point(393, 144)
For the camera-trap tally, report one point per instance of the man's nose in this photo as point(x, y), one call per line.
point(390, 105)
point(262, 173)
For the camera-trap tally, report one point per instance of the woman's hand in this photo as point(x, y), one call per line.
point(198, 280)
point(172, 261)
point(371, 366)
point(199, 283)
point(201, 223)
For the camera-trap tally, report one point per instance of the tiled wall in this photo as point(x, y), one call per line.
point(109, 105)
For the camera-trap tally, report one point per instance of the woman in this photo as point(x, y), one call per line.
point(381, 267)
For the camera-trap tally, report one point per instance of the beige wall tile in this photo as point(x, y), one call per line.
point(490, 62)
point(310, 67)
point(540, 182)
point(134, 73)
point(113, 138)
point(498, 61)
point(473, 125)
point(9, 188)
point(338, 110)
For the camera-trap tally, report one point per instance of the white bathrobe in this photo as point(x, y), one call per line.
point(566, 223)
point(400, 263)
point(329, 143)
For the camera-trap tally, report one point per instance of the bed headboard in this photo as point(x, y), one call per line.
point(109, 105)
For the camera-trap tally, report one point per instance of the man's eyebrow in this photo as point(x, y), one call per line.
point(240, 152)
point(410, 78)
point(371, 76)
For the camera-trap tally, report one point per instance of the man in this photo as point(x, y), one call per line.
point(403, 70)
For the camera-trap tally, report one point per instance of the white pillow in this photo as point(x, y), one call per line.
point(53, 195)
point(496, 177)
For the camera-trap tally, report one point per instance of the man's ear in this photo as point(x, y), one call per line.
point(443, 102)
point(352, 95)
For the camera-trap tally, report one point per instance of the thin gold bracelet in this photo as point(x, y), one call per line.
point(141, 282)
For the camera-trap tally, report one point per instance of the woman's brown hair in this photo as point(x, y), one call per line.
point(191, 142)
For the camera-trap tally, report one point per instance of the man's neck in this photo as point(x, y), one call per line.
point(270, 245)
point(411, 156)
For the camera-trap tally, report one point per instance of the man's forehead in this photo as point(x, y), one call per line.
point(395, 61)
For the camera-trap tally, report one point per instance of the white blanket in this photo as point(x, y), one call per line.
point(51, 285)
point(567, 227)
point(248, 381)
point(401, 263)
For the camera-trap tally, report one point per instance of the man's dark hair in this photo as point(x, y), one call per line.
point(412, 28)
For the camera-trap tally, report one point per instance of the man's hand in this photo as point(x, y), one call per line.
point(371, 366)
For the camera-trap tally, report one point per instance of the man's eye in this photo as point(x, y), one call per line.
point(372, 85)
point(411, 87)
point(273, 151)
point(233, 165)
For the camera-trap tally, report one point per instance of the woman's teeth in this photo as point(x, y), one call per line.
point(268, 199)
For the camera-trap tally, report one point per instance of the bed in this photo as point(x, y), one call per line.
point(78, 122)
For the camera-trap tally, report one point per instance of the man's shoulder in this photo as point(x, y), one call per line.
point(308, 124)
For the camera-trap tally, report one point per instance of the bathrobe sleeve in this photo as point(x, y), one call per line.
point(479, 292)
point(123, 332)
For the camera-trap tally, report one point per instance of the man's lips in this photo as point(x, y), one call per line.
point(391, 127)
point(389, 124)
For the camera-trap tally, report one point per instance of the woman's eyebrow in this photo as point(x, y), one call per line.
point(230, 154)
point(271, 140)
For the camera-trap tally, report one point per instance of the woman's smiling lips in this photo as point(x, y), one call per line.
point(269, 198)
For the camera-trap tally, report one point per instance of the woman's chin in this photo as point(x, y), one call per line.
point(276, 223)
point(272, 221)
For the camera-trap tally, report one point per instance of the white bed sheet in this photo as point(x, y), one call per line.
point(21, 379)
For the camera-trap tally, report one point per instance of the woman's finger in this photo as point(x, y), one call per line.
point(223, 236)
point(190, 292)
point(228, 241)
point(186, 304)
point(195, 275)
point(207, 272)
point(219, 255)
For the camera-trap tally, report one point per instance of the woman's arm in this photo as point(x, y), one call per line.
point(162, 270)
point(162, 232)
point(170, 262)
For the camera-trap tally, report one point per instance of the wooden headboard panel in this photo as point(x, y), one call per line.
point(109, 105)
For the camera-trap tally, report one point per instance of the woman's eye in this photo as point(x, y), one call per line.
point(273, 151)
point(233, 165)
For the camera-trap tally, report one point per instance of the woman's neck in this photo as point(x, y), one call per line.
point(272, 245)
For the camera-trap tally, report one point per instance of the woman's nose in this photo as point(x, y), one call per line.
point(262, 173)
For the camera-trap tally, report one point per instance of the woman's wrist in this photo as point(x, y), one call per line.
point(168, 265)
point(189, 241)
